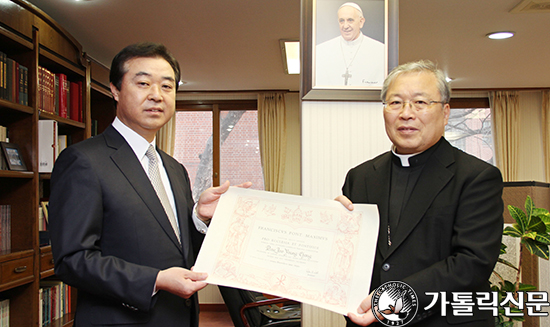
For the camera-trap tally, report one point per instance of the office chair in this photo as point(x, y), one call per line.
point(253, 309)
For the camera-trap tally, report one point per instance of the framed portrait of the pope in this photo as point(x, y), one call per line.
point(345, 46)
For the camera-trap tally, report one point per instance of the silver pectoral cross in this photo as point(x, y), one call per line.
point(346, 76)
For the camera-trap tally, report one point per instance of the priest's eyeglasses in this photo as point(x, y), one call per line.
point(417, 104)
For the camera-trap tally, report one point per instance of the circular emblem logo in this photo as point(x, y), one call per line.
point(394, 304)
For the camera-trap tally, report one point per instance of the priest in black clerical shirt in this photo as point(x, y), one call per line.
point(440, 208)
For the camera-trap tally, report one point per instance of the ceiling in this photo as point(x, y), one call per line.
point(233, 45)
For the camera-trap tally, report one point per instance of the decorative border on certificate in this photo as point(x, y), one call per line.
point(292, 247)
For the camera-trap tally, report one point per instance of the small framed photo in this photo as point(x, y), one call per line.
point(13, 156)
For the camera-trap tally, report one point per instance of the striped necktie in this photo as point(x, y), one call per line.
point(154, 176)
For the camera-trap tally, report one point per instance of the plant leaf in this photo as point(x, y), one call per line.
point(526, 287)
point(519, 217)
point(513, 231)
point(529, 205)
point(537, 248)
point(503, 248)
point(544, 216)
point(540, 212)
point(530, 235)
point(537, 225)
point(507, 263)
point(544, 239)
point(508, 286)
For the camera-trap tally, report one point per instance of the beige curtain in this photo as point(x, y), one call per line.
point(546, 132)
point(505, 113)
point(166, 136)
point(272, 135)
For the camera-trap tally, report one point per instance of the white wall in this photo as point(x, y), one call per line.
point(337, 136)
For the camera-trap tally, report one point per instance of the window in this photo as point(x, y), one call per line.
point(230, 153)
point(469, 128)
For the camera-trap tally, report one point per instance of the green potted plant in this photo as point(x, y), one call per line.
point(532, 227)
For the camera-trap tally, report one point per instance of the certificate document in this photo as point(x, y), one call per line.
point(310, 250)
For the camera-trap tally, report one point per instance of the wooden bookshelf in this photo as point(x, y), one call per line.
point(31, 38)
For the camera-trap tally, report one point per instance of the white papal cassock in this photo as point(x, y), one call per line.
point(360, 62)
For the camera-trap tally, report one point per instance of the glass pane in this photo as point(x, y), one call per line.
point(193, 147)
point(240, 149)
point(470, 131)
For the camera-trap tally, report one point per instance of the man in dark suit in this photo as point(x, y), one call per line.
point(124, 228)
point(440, 208)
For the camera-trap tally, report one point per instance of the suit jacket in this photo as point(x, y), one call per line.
point(449, 235)
point(111, 236)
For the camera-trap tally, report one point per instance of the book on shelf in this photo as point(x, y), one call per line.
point(80, 95)
point(23, 85)
point(5, 313)
point(94, 127)
point(40, 307)
point(4, 134)
point(62, 95)
point(3, 89)
point(13, 80)
point(54, 94)
point(62, 143)
point(3, 138)
point(55, 299)
point(43, 233)
point(43, 216)
point(5, 227)
point(75, 103)
point(47, 145)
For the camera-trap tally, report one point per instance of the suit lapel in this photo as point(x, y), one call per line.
point(378, 191)
point(432, 180)
point(176, 177)
point(125, 159)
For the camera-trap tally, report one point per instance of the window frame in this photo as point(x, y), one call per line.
point(473, 103)
point(216, 107)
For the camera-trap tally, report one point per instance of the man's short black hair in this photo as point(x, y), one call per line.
point(140, 50)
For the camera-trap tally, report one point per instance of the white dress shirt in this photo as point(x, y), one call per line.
point(140, 145)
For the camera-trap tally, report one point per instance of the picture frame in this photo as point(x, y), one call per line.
point(13, 156)
point(325, 79)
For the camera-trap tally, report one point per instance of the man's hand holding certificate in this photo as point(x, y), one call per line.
point(311, 250)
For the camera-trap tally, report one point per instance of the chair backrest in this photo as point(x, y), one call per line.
point(253, 309)
point(235, 299)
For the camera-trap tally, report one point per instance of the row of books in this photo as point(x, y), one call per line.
point(55, 301)
point(14, 81)
point(58, 95)
point(3, 138)
point(5, 227)
point(50, 144)
point(5, 313)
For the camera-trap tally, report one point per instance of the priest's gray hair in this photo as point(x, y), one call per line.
point(419, 67)
point(353, 5)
